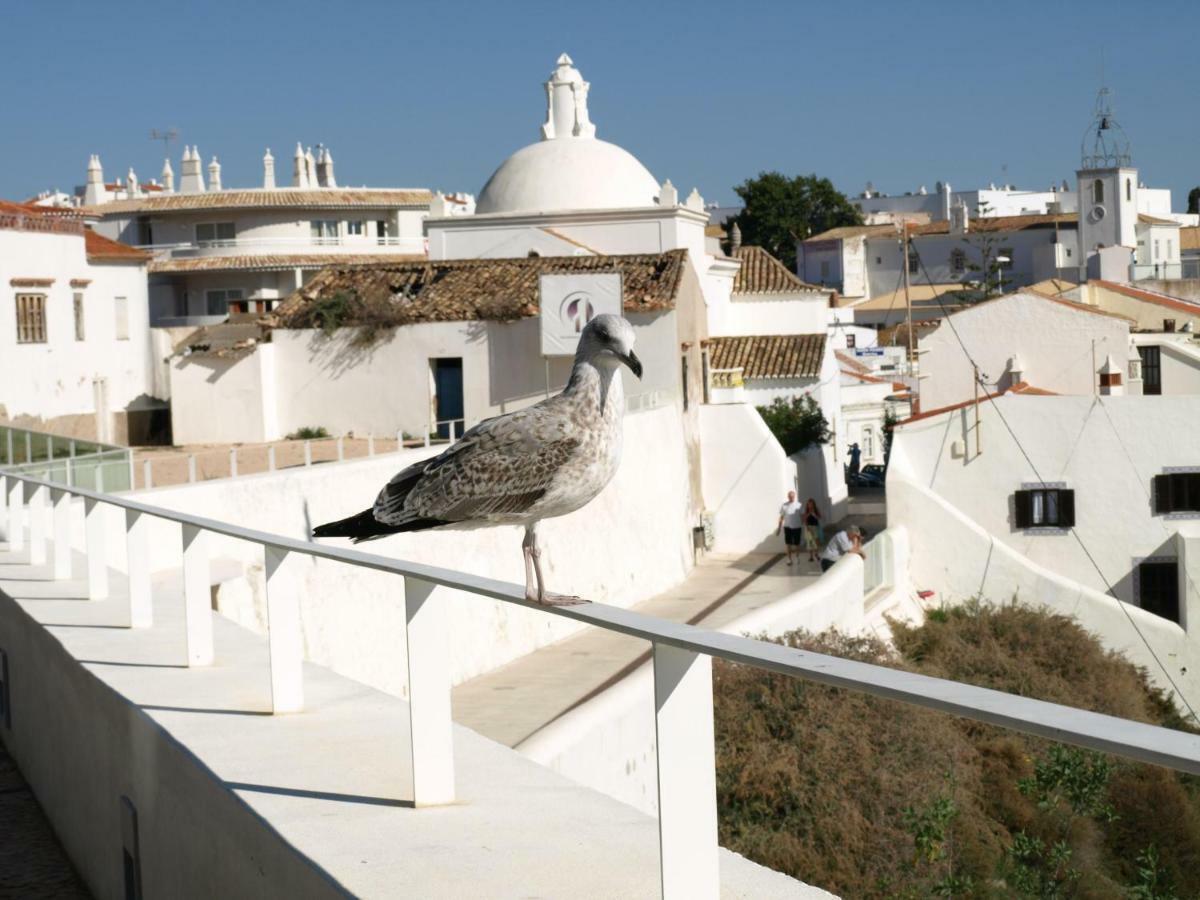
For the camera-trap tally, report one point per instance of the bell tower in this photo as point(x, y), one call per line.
point(1108, 185)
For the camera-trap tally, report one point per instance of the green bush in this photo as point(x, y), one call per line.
point(797, 423)
point(308, 433)
point(874, 798)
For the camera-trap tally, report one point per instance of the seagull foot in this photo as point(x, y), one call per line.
point(560, 600)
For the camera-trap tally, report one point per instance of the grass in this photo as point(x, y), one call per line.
point(872, 798)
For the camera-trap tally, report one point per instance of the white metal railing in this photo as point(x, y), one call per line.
point(877, 562)
point(360, 242)
point(682, 663)
point(1167, 271)
point(65, 460)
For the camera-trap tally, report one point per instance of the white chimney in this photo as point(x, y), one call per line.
point(1016, 369)
point(268, 170)
point(325, 169)
point(94, 192)
point(191, 179)
point(214, 175)
point(667, 194)
point(1111, 378)
point(694, 201)
point(168, 177)
point(310, 169)
point(960, 221)
point(944, 190)
point(131, 183)
point(299, 168)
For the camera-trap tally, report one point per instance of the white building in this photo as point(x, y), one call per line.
point(1071, 502)
point(74, 331)
point(219, 250)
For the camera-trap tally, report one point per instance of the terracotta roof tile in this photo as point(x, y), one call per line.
point(999, 223)
point(1149, 296)
point(769, 355)
point(1021, 387)
point(102, 249)
point(762, 273)
point(460, 290)
point(852, 231)
point(276, 261)
point(284, 198)
point(1154, 220)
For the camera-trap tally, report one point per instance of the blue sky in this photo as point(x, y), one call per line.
point(438, 94)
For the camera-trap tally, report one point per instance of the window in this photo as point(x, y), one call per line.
point(77, 302)
point(1168, 325)
point(824, 269)
point(1045, 508)
point(1128, 188)
point(684, 371)
point(216, 303)
point(1156, 248)
point(914, 261)
point(1097, 191)
point(1151, 370)
point(121, 307)
point(356, 227)
point(868, 441)
point(879, 260)
point(214, 231)
point(381, 230)
point(31, 319)
point(325, 231)
point(958, 262)
point(1177, 492)
point(1068, 253)
point(851, 340)
point(1158, 588)
point(1005, 253)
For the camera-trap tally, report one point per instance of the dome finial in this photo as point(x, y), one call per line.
point(566, 104)
point(565, 60)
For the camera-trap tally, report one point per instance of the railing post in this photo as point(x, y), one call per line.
point(197, 597)
point(28, 447)
point(428, 695)
point(71, 448)
point(15, 533)
point(370, 445)
point(233, 462)
point(132, 471)
point(61, 500)
point(399, 440)
point(271, 458)
point(427, 438)
point(137, 550)
point(97, 562)
point(147, 475)
point(70, 472)
point(36, 498)
point(308, 453)
point(687, 779)
point(9, 442)
point(191, 468)
point(341, 448)
point(284, 638)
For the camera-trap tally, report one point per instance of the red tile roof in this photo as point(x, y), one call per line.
point(769, 355)
point(1021, 387)
point(762, 273)
point(1149, 296)
point(101, 249)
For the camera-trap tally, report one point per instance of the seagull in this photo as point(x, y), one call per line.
point(516, 469)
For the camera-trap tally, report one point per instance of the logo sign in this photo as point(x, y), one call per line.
point(868, 351)
point(569, 302)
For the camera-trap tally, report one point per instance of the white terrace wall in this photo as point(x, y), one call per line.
point(630, 543)
point(1054, 342)
point(224, 399)
point(746, 476)
point(609, 744)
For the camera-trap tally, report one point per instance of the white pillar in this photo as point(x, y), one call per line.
point(283, 635)
point(687, 779)
point(15, 533)
point(61, 500)
point(9, 446)
point(370, 445)
point(308, 453)
point(36, 499)
point(137, 549)
point(192, 469)
point(197, 597)
point(233, 462)
point(271, 458)
point(428, 695)
point(341, 448)
point(97, 564)
point(147, 475)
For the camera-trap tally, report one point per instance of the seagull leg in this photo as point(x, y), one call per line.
point(531, 592)
point(534, 553)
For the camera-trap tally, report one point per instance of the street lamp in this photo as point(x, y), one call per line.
point(1000, 262)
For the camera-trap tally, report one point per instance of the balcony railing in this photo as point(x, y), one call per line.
point(1173, 271)
point(682, 662)
point(251, 246)
point(69, 461)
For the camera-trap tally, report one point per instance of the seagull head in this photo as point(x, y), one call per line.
point(608, 341)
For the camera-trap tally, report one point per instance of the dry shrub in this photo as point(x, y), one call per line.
point(813, 781)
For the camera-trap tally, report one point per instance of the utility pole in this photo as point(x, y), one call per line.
point(978, 435)
point(907, 249)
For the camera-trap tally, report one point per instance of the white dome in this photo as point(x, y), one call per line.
point(568, 173)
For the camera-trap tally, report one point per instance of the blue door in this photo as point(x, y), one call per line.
point(448, 395)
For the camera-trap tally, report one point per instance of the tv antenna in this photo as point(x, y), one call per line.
point(171, 134)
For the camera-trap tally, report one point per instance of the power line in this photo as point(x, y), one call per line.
point(1074, 532)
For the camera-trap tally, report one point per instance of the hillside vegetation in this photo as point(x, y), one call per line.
point(873, 798)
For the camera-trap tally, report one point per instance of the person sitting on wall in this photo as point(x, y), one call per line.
point(847, 541)
point(791, 523)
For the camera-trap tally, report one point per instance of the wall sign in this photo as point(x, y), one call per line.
point(568, 302)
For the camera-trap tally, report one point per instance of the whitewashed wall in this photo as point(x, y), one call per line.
point(224, 400)
point(1056, 345)
point(1106, 450)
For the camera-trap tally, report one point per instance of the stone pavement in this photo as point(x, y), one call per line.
point(32, 863)
point(511, 703)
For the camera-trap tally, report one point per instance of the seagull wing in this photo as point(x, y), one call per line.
point(502, 466)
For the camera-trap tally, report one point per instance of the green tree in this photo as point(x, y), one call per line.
point(1194, 200)
point(986, 267)
point(797, 423)
point(780, 210)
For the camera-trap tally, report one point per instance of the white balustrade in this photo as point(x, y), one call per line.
point(308, 453)
point(430, 726)
point(147, 475)
point(233, 468)
point(15, 533)
point(94, 525)
point(284, 637)
point(137, 551)
point(192, 469)
point(36, 500)
point(197, 597)
point(61, 540)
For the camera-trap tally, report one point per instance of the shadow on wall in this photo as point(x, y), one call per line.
point(508, 383)
point(1126, 587)
point(346, 348)
point(148, 422)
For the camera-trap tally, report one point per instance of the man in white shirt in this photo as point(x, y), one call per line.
point(791, 523)
point(848, 541)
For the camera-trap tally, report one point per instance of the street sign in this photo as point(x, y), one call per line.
point(869, 351)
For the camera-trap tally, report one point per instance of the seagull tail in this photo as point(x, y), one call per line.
point(365, 527)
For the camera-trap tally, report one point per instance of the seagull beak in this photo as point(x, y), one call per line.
point(635, 364)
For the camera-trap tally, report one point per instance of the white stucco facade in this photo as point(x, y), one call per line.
point(1051, 345)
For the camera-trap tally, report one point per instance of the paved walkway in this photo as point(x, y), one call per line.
point(511, 703)
point(32, 863)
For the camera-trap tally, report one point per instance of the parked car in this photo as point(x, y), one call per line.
point(871, 475)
